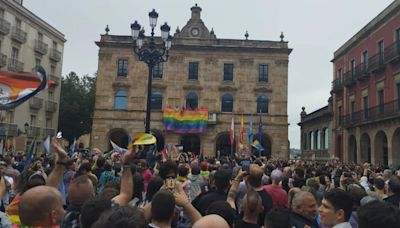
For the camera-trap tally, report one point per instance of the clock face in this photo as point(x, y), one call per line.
point(195, 31)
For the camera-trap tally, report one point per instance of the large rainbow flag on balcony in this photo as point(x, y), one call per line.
point(185, 121)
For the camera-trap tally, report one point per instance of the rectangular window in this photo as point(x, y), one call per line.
point(398, 96)
point(228, 72)
point(381, 50)
point(48, 123)
point(353, 68)
point(10, 117)
point(33, 120)
point(340, 115)
point(1, 13)
point(365, 60)
point(381, 101)
point(365, 107)
point(158, 70)
point(193, 70)
point(55, 45)
point(340, 75)
point(51, 95)
point(122, 67)
point(53, 69)
point(40, 36)
point(38, 62)
point(263, 73)
point(14, 53)
point(18, 23)
point(352, 109)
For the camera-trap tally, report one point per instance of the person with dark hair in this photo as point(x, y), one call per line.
point(121, 217)
point(99, 166)
point(298, 178)
point(357, 192)
point(277, 218)
point(394, 191)
point(168, 169)
point(162, 209)
point(92, 209)
point(145, 172)
point(223, 209)
point(86, 169)
point(154, 185)
point(222, 179)
point(336, 209)
point(196, 182)
point(378, 214)
point(182, 179)
point(379, 188)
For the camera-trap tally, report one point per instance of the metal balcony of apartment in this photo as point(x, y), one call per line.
point(55, 55)
point(380, 112)
point(8, 129)
point(49, 131)
point(54, 78)
point(34, 131)
point(4, 26)
point(18, 35)
point(41, 47)
point(3, 60)
point(51, 106)
point(376, 63)
point(392, 53)
point(349, 78)
point(15, 65)
point(337, 85)
point(35, 103)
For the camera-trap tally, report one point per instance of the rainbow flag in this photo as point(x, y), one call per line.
point(186, 121)
point(18, 87)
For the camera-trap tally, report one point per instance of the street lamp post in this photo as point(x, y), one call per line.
point(151, 53)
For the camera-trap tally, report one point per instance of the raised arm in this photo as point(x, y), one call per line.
point(126, 192)
point(57, 173)
point(182, 200)
point(234, 188)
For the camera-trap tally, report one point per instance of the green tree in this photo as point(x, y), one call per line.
point(76, 105)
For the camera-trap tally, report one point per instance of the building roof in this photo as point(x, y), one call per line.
point(384, 16)
point(322, 112)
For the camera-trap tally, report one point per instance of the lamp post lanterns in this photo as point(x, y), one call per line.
point(151, 53)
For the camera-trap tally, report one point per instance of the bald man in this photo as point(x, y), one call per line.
point(254, 182)
point(251, 208)
point(214, 221)
point(41, 206)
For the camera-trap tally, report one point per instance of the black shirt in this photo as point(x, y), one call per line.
point(243, 224)
point(299, 221)
point(202, 201)
point(267, 204)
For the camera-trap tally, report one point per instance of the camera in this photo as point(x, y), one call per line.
point(245, 165)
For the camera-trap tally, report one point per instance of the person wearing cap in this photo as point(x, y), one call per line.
point(278, 195)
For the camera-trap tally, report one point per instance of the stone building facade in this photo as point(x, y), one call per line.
point(316, 130)
point(366, 92)
point(229, 77)
point(26, 41)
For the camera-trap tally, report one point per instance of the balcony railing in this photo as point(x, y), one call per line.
point(51, 106)
point(55, 54)
point(4, 26)
point(3, 60)
point(387, 110)
point(49, 131)
point(35, 103)
point(18, 34)
point(34, 131)
point(41, 47)
point(8, 129)
point(392, 53)
point(54, 78)
point(337, 85)
point(15, 65)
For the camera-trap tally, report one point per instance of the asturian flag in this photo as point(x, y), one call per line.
point(18, 87)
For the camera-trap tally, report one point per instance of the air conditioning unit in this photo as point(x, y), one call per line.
point(212, 118)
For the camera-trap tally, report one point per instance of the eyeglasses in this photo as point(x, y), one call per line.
point(170, 177)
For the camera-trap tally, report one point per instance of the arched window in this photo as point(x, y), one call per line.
point(309, 140)
point(156, 100)
point(120, 100)
point(317, 140)
point(312, 140)
point(227, 103)
point(262, 104)
point(192, 100)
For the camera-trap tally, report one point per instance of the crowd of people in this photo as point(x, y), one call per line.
point(122, 190)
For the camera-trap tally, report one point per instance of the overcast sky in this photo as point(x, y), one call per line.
point(314, 29)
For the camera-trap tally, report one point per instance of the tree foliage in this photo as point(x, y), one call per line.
point(76, 105)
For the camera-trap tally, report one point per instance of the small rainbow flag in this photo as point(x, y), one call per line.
point(186, 121)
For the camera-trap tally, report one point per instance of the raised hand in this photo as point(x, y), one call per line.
point(61, 155)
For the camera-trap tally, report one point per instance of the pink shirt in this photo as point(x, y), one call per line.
point(147, 175)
